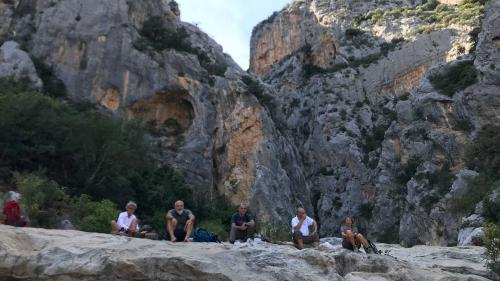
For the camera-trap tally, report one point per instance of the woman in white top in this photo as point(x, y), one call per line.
point(127, 222)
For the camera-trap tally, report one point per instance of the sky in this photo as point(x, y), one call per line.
point(229, 22)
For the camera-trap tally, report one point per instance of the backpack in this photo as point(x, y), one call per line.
point(12, 213)
point(374, 248)
point(202, 235)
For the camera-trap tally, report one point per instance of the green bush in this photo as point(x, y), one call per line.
point(483, 156)
point(442, 180)
point(42, 199)
point(275, 231)
point(492, 243)
point(491, 210)
point(255, 88)
point(216, 227)
point(455, 78)
point(160, 35)
point(93, 216)
point(353, 32)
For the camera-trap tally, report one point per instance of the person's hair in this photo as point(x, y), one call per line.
point(179, 201)
point(12, 195)
point(131, 204)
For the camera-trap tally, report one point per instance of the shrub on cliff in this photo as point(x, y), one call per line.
point(455, 78)
point(42, 199)
point(492, 243)
point(483, 156)
point(160, 36)
point(93, 216)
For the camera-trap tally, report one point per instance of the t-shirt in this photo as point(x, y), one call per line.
point(239, 220)
point(182, 218)
point(124, 220)
point(304, 228)
point(344, 228)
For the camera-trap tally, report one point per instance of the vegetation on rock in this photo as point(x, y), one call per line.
point(455, 78)
point(55, 152)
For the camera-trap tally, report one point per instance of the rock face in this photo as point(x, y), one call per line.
point(37, 254)
point(373, 133)
point(294, 31)
point(17, 63)
point(191, 96)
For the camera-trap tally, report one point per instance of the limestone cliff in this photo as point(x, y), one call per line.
point(137, 60)
point(372, 130)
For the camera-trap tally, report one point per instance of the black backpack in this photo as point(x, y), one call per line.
point(202, 235)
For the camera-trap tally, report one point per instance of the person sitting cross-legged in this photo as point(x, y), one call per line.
point(180, 223)
point(242, 225)
point(127, 223)
point(351, 238)
point(301, 232)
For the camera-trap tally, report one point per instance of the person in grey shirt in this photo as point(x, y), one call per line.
point(180, 223)
point(351, 237)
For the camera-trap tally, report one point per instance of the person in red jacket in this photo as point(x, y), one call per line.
point(12, 214)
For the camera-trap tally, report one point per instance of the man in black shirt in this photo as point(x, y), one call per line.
point(242, 225)
point(180, 223)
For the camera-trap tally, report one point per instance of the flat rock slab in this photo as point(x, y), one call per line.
point(40, 254)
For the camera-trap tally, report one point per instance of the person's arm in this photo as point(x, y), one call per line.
point(342, 231)
point(251, 223)
point(191, 216)
point(169, 215)
point(315, 227)
point(299, 225)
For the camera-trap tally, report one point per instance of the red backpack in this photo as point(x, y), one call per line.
point(12, 214)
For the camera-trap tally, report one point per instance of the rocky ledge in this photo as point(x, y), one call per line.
point(39, 254)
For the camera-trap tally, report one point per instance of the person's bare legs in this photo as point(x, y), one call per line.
point(188, 229)
point(361, 240)
point(350, 238)
point(298, 241)
point(114, 227)
point(132, 228)
point(171, 225)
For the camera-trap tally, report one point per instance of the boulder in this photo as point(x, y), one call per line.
point(40, 254)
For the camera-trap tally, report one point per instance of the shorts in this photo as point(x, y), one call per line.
point(180, 234)
point(347, 245)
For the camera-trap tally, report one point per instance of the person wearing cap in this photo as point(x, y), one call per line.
point(127, 222)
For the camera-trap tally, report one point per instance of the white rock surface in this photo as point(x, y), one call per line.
point(39, 254)
point(17, 63)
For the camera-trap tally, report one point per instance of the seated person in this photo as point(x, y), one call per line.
point(300, 229)
point(180, 223)
point(242, 225)
point(351, 238)
point(12, 212)
point(127, 222)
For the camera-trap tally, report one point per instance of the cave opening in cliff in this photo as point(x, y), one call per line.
point(165, 113)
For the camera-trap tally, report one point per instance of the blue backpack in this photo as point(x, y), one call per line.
point(202, 235)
